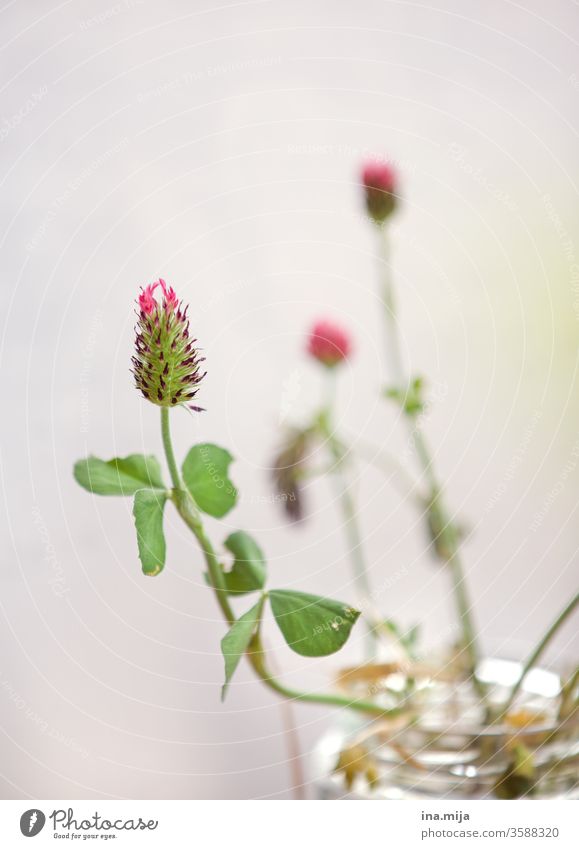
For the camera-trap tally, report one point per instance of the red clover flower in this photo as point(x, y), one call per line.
point(167, 363)
point(328, 343)
point(380, 183)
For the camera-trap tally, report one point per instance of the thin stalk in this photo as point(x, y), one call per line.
point(168, 447)
point(463, 607)
point(538, 651)
point(352, 528)
point(389, 465)
point(394, 354)
point(338, 452)
point(189, 512)
point(350, 519)
point(568, 696)
point(257, 659)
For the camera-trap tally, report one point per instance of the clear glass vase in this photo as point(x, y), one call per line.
point(448, 752)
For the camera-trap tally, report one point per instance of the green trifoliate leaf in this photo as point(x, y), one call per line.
point(119, 476)
point(205, 475)
point(237, 639)
point(148, 509)
point(248, 572)
point(312, 626)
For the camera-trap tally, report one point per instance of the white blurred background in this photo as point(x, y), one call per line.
point(218, 146)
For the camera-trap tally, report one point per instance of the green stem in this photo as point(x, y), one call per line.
point(538, 651)
point(463, 607)
point(568, 696)
point(351, 522)
point(168, 446)
point(393, 351)
point(395, 360)
point(399, 477)
point(189, 512)
point(257, 658)
point(352, 527)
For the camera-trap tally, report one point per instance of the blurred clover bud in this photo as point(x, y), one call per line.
point(289, 469)
point(328, 343)
point(166, 365)
point(379, 180)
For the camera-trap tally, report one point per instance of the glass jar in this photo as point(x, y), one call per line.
point(448, 752)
